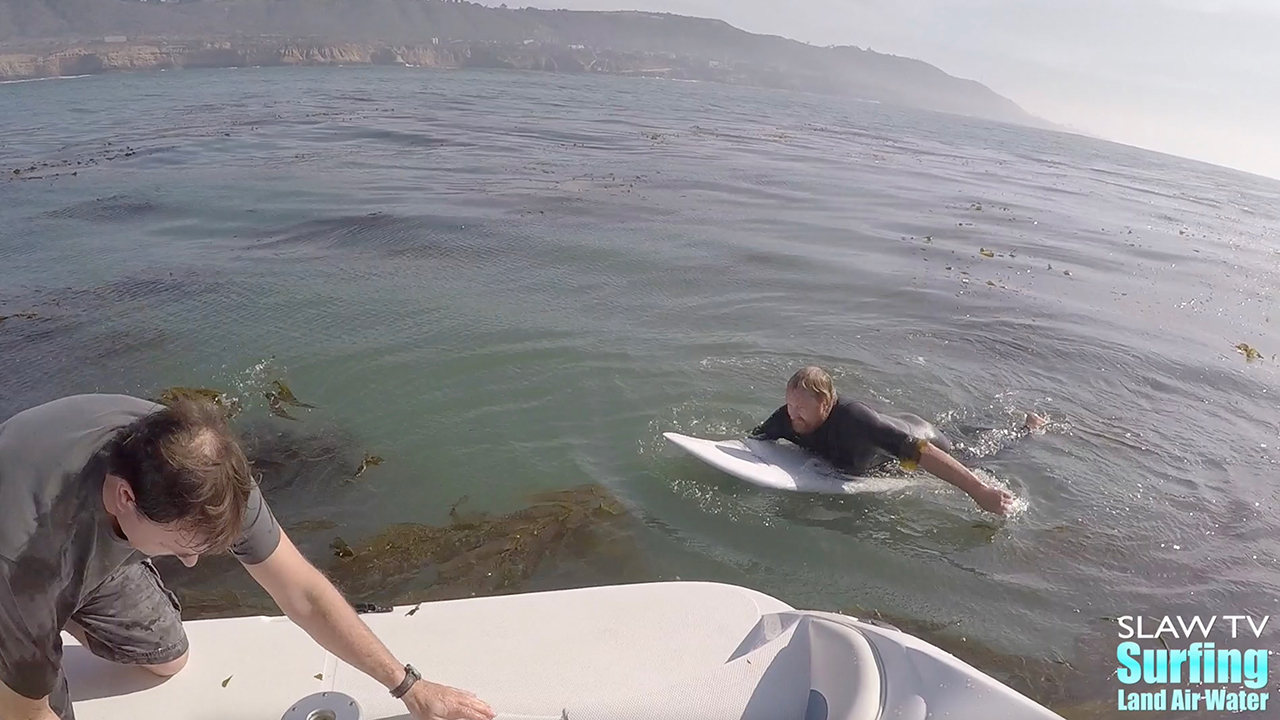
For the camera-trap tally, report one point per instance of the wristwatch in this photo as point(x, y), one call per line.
point(411, 676)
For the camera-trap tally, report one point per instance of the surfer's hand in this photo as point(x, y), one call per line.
point(994, 500)
point(430, 701)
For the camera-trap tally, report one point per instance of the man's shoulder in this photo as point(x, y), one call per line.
point(68, 429)
point(99, 402)
point(853, 415)
point(44, 451)
point(84, 405)
point(852, 408)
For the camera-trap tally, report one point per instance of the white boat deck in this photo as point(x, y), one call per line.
point(592, 652)
point(702, 651)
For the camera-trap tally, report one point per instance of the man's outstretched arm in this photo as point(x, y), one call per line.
point(917, 452)
point(941, 464)
point(315, 605)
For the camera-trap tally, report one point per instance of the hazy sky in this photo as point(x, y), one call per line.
point(1197, 78)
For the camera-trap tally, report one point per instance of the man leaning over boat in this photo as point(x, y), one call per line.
point(91, 487)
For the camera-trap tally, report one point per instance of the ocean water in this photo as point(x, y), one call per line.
point(512, 283)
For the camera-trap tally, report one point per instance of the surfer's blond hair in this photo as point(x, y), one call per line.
point(815, 381)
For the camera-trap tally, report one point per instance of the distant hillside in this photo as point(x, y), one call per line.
point(727, 53)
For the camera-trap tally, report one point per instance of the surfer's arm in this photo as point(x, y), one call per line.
point(777, 426)
point(945, 467)
point(913, 452)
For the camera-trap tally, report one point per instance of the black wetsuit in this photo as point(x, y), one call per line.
point(854, 438)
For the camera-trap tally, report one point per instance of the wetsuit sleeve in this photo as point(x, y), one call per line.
point(777, 426)
point(30, 643)
point(888, 437)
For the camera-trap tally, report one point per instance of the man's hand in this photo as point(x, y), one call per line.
point(994, 500)
point(315, 605)
point(430, 701)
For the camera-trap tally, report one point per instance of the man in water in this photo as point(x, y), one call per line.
point(91, 487)
point(856, 439)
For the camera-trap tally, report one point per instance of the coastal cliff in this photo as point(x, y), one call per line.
point(72, 60)
point(47, 38)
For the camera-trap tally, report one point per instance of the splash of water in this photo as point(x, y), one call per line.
point(246, 385)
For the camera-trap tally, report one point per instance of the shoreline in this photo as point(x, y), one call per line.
point(62, 59)
point(50, 59)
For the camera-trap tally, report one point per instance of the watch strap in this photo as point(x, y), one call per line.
point(411, 676)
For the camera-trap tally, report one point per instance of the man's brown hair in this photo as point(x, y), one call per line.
point(816, 381)
point(187, 469)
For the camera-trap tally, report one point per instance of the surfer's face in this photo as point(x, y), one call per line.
point(807, 412)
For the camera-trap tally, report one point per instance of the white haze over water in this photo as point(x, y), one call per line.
point(1195, 78)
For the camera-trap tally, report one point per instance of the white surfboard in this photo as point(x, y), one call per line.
point(781, 466)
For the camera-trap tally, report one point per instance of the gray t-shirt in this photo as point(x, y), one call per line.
point(57, 541)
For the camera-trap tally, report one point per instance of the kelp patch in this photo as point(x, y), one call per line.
point(482, 554)
point(279, 396)
point(19, 316)
point(230, 405)
point(564, 538)
point(1250, 353)
point(368, 462)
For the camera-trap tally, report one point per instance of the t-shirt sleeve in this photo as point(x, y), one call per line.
point(30, 643)
point(887, 436)
point(778, 425)
point(261, 533)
